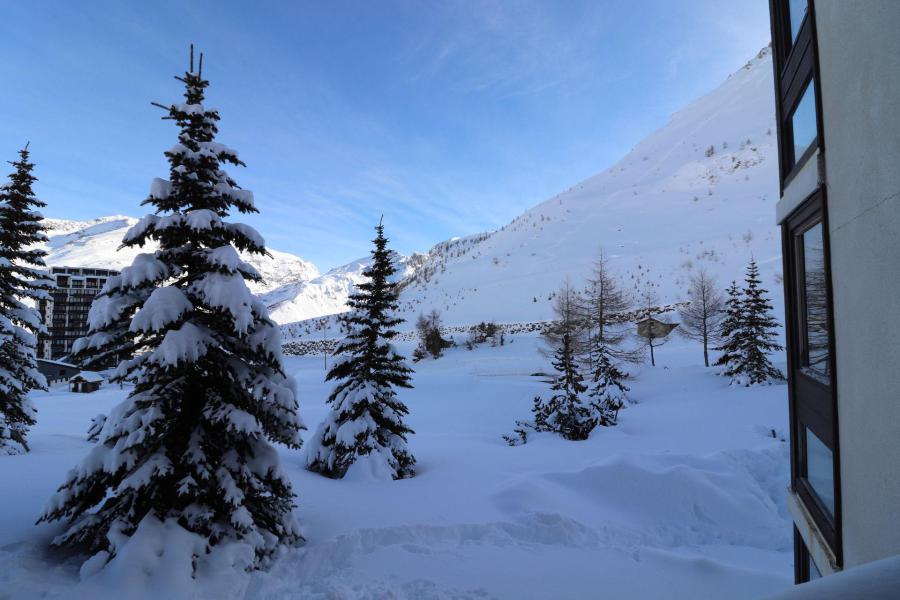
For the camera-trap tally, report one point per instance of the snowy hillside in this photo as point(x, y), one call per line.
point(700, 192)
point(95, 243)
point(327, 294)
point(670, 206)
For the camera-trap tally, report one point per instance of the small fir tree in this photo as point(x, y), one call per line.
point(190, 445)
point(749, 332)
point(607, 392)
point(760, 331)
point(20, 280)
point(366, 418)
point(731, 332)
point(566, 412)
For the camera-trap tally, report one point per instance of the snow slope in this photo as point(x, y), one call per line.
point(663, 211)
point(683, 500)
point(326, 294)
point(95, 243)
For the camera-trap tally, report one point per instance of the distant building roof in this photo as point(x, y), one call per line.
point(648, 327)
point(57, 362)
point(88, 376)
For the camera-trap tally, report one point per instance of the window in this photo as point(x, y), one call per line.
point(805, 568)
point(803, 123)
point(820, 470)
point(816, 351)
point(815, 465)
point(794, 51)
point(797, 10)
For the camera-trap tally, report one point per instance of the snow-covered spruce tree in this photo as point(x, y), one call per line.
point(191, 444)
point(730, 332)
point(20, 280)
point(759, 332)
point(566, 412)
point(365, 424)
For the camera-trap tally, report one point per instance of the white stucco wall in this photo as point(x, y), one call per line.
point(859, 59)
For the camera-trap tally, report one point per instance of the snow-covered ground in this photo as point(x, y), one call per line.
point(685, 499)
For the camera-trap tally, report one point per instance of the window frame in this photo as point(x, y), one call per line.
point(812, 400)
point(802, 560)
point(796, 64)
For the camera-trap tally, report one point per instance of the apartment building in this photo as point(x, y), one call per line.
point(66, 313)
point(837, 89)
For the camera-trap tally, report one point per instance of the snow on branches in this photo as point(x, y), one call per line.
point(21, 279)
point(191, 446)
point(364, 431)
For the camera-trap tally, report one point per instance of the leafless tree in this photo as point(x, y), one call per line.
point(605, 304)
point(569, 310)
point(701, 318)
point(649, 304)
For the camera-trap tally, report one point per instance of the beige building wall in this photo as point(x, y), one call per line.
point(859, 61)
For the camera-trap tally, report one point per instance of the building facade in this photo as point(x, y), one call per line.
point(65, 314)
point(837, 89)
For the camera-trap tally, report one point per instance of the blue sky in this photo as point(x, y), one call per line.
point(447, 117)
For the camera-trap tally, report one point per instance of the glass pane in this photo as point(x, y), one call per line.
point(813, 569)
point(803, 121)
point(816, 302)
point(820, 470)
point(798, 10)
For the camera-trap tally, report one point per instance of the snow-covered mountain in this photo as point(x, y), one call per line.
point(700, 192)
point(95, 243)
point(328, 293)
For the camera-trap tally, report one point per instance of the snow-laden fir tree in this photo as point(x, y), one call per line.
point(731, 332)
point(760, 332)
point(22, 285)
point(748, 332)
point(365, 424)
point(192, 443)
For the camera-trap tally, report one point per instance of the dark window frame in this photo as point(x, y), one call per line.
point(813, 402)
point(796, 65)
point(802, 560)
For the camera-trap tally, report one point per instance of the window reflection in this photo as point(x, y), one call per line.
point(803, 121)
point(820, 470)
point(817, 333)
point(798, 10)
